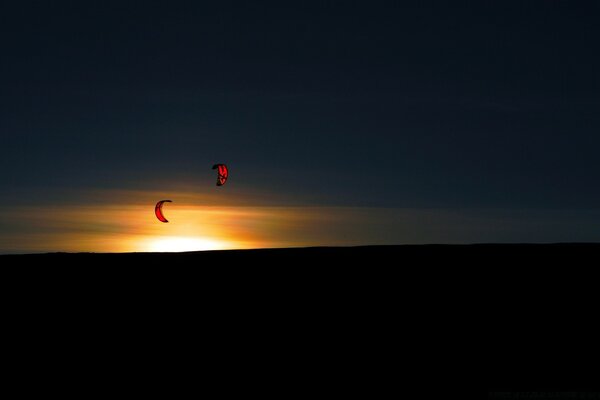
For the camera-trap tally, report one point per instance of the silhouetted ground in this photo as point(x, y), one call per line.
point(488, 253)
point(429, 322)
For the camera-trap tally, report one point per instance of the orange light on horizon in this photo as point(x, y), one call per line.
point(180, 244)
point(132, 226)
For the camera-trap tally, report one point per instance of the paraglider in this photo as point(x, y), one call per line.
point(223, 173)
point(158, 210)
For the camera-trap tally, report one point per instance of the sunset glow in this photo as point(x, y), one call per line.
point(179, 244)
point(117, 221)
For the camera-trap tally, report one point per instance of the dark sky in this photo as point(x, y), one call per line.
point(383, 104)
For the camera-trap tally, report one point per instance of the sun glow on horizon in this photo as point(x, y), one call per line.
point(178, 244)
point(133, 227)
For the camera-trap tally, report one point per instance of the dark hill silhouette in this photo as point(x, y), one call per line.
point(434, 321)
point(489, 252)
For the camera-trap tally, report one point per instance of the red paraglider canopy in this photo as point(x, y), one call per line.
point(158, 210)
point(223, 173)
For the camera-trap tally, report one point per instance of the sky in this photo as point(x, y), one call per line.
point(342, 123)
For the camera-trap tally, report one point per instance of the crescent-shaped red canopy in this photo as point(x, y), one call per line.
point(158, 210)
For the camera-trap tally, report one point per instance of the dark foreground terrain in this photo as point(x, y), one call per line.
point(424, 322)
point(324, 256)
